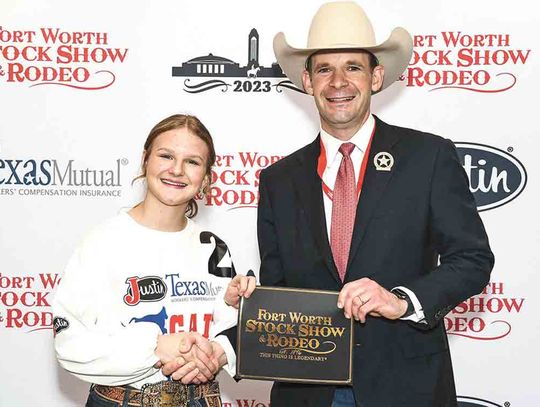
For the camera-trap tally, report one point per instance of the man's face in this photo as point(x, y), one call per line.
point(341, 83)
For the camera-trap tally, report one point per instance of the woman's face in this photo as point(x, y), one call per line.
point(176, 167)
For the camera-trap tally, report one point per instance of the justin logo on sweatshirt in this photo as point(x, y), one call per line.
point(145, 289)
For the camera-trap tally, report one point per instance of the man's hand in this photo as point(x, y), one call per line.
point(240, 286)
point(219, 354)
point(364, 297)
point(182, 369)
point(187, 356)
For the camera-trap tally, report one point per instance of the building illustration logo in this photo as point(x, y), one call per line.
point(253, 77)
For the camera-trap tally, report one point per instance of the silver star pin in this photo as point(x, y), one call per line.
point(383, 161)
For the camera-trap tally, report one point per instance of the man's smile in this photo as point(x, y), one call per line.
point(340, 99)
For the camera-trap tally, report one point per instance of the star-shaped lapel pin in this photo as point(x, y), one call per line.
point(383, 161)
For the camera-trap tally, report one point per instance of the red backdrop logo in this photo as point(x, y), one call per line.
point(25, 302)
point(246, 402)
point(52, 56)
point(235, 179)
point(486, 316)
point(469, 61)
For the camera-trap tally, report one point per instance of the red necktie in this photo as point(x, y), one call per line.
point(343, 210)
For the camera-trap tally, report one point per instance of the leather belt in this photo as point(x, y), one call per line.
point(117, 394)
point(163, 394)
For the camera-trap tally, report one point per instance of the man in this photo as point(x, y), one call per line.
point(369, 210)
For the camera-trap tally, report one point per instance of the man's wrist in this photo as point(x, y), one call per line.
point(405, 300)
point(219, 353)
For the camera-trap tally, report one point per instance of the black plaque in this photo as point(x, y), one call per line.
point(294, 335)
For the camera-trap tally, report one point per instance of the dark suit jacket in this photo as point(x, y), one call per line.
point(406, 219)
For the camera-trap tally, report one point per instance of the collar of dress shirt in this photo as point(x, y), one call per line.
point(360, 140)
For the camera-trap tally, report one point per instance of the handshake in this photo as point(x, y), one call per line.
point(191, 358)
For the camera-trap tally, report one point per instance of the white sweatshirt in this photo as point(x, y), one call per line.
point(126, 284)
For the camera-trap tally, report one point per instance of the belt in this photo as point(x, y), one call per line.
point(162, 394)
point(117, 394)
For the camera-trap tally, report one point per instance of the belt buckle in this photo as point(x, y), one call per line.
point(164, 394)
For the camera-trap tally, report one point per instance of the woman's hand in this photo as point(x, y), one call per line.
point(188, 356)
point(240, 286)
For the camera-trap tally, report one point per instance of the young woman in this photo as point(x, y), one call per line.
point(149, 288)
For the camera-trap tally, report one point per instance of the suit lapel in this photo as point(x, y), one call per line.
point(308, 188)
point(375, 183)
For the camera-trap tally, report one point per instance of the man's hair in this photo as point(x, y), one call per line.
point(373, 61)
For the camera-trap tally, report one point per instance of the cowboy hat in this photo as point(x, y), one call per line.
point(345, 25)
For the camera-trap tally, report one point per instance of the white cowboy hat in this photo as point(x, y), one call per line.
point(345, 25)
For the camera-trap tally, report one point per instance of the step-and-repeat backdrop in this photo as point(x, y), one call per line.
point(82, 83)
